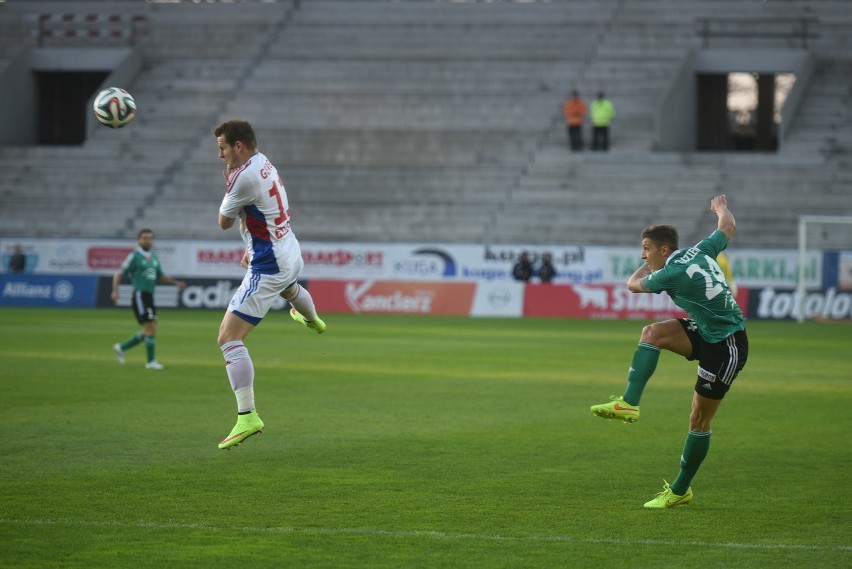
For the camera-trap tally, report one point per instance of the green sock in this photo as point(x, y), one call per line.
point(131, 341)
point(149, 347)
point(641, 369)
point(694, 451)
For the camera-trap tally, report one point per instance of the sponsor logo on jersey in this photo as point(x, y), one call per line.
point(706, 375)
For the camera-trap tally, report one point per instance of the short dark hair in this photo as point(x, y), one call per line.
point(143, 232)
point(661, 235)
point(237, 130)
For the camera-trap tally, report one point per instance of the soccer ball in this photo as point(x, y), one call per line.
point(114, 107)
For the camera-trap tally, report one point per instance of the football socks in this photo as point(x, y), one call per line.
point(303, 302)
point(240, 373)
point(641, 369)
point(694, 451)
point(150, 344)
point(131, 341)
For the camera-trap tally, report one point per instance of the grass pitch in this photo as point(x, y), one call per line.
point(412, 442)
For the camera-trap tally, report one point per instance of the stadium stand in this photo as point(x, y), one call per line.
point(430, 121)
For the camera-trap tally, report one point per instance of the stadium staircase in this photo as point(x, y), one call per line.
point(432, 121)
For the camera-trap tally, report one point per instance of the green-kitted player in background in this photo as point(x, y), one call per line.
point(714, 334)
point(143, 269)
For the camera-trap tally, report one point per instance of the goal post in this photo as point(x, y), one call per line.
point(816, 220)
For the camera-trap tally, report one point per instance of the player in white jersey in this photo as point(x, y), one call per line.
point(256, 196)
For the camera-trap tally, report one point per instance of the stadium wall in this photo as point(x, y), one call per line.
point(18, 93)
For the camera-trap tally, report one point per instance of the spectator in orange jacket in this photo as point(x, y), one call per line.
point(575, 110)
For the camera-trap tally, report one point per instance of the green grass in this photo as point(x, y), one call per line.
point(412, 442)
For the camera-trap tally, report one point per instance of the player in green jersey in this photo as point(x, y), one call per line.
point(143, 269)
point(714, 334)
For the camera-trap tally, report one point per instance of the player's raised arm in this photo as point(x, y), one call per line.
point(727, 223)
point(635, 282)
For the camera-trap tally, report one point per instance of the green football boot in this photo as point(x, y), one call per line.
point(247, 425)
point(668, 499)
point(617, 408)
point(317, 325)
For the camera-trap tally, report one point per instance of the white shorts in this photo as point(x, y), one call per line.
point(258, 292)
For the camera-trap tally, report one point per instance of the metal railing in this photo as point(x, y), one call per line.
point(799, 28)
point(121, 28)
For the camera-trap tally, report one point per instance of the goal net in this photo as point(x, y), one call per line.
point(823, 233)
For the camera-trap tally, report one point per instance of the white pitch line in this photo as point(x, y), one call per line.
point(430, 533)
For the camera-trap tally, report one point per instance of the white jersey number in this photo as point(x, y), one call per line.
point(712, 290)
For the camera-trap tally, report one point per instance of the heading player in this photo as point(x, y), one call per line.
point(256, 196)
point(714, 334)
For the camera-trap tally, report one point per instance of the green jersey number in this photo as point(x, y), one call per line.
point(712, 290)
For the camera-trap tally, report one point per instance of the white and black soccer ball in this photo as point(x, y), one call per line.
point(114, 107)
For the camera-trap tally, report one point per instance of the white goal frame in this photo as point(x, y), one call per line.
point(803, 239)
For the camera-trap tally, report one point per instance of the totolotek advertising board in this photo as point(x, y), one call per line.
point(769, 303)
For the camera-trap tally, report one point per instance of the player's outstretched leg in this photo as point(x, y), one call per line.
point(303, 310)
point(668, 499)
point(641, 369)
point(617, 408)
point(317, 325)
point(248, 424)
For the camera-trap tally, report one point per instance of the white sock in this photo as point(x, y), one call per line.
point(304, 303)
point(245, 399)
point(240, 373)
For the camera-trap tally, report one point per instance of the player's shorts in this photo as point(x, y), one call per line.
point(719, 363)
point(143, 307)
point(258, 291)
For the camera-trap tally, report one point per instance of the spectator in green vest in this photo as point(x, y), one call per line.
point(602, 113)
